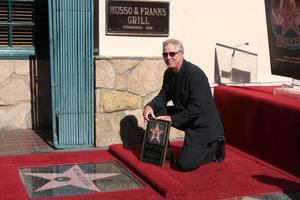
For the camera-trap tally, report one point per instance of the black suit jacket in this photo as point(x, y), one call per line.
point(196, 112)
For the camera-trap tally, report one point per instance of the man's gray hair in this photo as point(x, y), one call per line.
point(174, 42)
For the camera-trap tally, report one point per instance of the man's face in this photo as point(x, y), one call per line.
point(173, 57)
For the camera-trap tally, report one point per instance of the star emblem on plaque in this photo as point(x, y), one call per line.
point(156, 135)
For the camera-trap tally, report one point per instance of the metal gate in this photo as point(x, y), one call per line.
point(72, 72)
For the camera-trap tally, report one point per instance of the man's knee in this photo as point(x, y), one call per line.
point(192, 157)
point(186, 165)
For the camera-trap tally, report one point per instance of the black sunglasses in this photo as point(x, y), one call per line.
point(171, 54)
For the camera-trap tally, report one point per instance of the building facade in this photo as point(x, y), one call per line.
point(126, 69)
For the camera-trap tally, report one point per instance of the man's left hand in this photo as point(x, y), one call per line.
point(164, 118)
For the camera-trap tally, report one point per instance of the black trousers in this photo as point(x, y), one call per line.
point(192, 155)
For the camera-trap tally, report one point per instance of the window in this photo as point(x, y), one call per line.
point(16, 27)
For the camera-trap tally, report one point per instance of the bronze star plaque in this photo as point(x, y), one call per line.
point(155, 142)
point(77, 179)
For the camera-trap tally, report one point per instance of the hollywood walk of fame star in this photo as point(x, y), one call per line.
point(73, 176)
point(156, 133)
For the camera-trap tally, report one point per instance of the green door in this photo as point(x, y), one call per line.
point(72, 72)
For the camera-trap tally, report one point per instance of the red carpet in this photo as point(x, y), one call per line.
point(166, 184)
point(239, 175)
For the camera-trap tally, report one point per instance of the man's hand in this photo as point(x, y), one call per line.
point(148, 112)
point(164, 118)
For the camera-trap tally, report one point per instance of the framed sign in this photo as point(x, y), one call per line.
point(155, 142)
point(137, 18)
point(283, 22)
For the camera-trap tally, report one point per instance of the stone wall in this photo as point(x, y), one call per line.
point(123, 87)
point(15, 96)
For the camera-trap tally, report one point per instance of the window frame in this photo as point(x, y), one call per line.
point(11, 51)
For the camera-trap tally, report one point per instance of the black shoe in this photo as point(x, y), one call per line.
point(169, 156)
point(219, 155)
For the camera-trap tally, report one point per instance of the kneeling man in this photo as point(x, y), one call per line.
point(194, 110)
